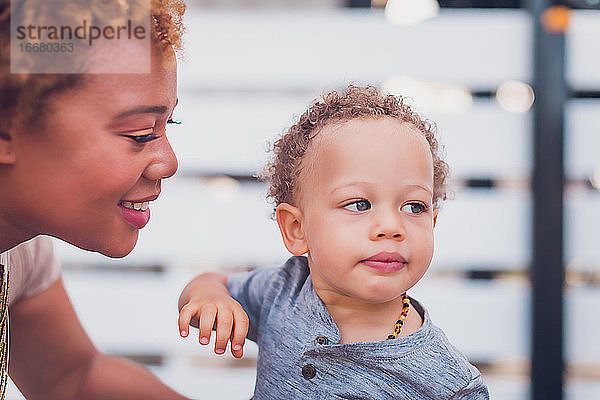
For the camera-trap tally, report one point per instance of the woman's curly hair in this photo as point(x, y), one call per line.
point(23, 96)
point(337, 107)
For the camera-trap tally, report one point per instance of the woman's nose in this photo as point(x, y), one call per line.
point(164, 162)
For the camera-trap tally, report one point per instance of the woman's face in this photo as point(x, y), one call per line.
point(102, 149)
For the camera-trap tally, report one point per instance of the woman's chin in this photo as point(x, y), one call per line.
point(119, 250)
point(116, 253)
point(110, 247)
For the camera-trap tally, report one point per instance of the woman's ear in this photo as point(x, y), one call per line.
point(289, 219)
point(7, 153)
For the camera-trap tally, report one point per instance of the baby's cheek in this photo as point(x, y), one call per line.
point(324, 257)
point(429, 250)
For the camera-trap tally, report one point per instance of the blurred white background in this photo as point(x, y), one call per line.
point(246, 73)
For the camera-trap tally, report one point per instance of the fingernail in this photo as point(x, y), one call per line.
point(183, 333)
point(219, 351)
point(237, 347)
point(204, 340)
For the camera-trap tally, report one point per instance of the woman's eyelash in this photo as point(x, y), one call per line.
point(143, 135)
point(143, 138)
point(149, 134)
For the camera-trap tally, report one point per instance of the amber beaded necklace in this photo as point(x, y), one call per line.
point(403, 314)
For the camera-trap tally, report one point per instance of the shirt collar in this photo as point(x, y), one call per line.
point(319, 322)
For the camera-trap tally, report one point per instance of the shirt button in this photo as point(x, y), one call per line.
point(309, 371)
point(322, 340)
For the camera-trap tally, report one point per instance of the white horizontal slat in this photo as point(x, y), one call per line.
point(488, 321)
point(231, 133)
point(581, 325)
point(126, 312)
point(484, 228)
point(486, 141)
point(582, 228)
point(318, 48)
point(582, 138)
point(210, 383)
point(583, 53)
point(205, 225)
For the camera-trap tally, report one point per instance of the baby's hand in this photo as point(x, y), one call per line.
point(209, 306)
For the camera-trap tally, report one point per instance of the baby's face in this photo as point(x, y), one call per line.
point(366, 201)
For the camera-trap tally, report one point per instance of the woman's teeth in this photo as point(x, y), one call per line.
point(136, 206)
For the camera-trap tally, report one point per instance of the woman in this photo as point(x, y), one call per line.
point(81, 155)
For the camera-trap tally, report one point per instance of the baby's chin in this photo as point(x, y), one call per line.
point(381, 297)
point(380, 292)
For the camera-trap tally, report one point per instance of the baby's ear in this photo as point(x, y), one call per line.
point(7, 153)
point(289, 219)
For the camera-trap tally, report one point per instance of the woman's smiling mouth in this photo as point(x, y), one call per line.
point(136, 213)
point(143, 206)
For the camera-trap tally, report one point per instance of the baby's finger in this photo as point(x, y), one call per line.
point(185, 315)
point(240, 330)
point(224, 325)
point(206, 322)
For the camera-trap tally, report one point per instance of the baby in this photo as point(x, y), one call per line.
point(357, 184)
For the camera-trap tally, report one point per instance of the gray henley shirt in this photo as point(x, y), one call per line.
point(299, 356)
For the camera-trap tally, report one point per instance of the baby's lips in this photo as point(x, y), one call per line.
point(387, 256)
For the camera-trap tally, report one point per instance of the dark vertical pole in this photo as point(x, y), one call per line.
point(547, 270)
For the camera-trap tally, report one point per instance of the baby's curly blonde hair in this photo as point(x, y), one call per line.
point(337, 107)
point(24, 96)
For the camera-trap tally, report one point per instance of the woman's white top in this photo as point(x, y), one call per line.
point(33, 268)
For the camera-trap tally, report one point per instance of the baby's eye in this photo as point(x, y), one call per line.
point(414, 208)
point(358, 205)
point(143, 136)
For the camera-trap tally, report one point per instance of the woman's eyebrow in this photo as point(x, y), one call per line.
point(143, 110)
